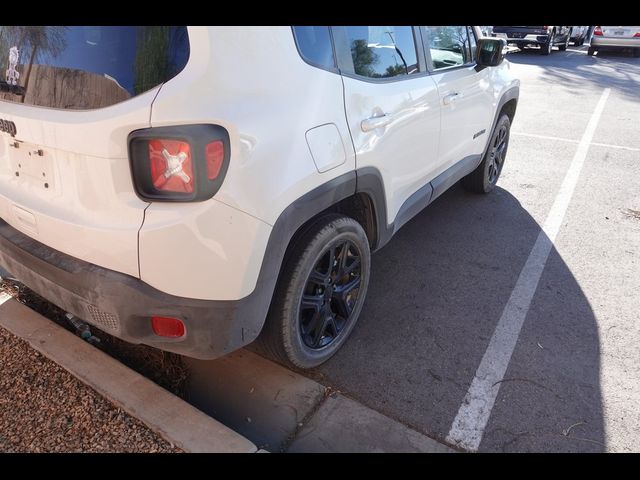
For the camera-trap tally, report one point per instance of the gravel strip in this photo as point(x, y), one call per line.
point(43, 408)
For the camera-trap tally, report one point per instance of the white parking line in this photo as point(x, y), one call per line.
point(570, 140)
point(631, 149)
point(544, 137)
point(4, 297)
point(468, 426)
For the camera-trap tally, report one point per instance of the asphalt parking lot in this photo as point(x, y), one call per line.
point(458, 275)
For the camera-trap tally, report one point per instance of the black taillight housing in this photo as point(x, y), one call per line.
point(182, 163)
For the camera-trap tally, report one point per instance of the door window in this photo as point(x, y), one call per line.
point(381, 52)
point(449, 46)
point(314, 44)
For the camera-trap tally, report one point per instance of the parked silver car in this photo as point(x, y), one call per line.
point(606, 37)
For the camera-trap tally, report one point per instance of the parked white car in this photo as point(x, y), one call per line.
point(612, 37)
point(194, 188)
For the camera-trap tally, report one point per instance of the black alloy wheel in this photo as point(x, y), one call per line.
point(330, 295)
point(484, 178)
point(497, 153)
point(320, 293)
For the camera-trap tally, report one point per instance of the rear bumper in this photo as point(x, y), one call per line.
point(524, 39)
point(599, 41)
point(122, 305)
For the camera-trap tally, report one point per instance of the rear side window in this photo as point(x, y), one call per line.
point(84, 67)
point(314, 44)
point(382, 51)
point(449, 46)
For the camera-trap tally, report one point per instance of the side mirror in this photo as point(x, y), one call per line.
point(490, 52)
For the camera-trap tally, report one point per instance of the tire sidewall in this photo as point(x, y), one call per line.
point(338, 232)
point(548, 47)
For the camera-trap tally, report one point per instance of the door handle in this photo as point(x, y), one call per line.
point(451, 98)
point(372, 123)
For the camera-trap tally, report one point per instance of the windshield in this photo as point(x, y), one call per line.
point(83, 67)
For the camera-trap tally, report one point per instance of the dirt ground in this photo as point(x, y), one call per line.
point(43, 408)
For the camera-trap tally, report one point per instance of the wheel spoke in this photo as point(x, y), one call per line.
point(332, 259)
point(344, 254)
point(318, 333)
point(350, 268)
point(347, 287)
point(502, 150)
point(318, 278)
point(342, 305)
point(314, 302)
point(333, 326)
point(312, 324)
point(492, 170)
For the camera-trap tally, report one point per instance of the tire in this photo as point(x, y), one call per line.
point(636, 52)
point(546, 48)
point(308, 272)
point(591, 51)
point(484, 178)
point(565, 45)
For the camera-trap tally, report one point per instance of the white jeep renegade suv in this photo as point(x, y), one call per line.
point(195, 188)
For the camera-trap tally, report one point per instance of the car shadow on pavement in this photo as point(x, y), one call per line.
point(437, 291)
point(575, 67)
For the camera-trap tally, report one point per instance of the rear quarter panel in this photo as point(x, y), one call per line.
point(253, 82)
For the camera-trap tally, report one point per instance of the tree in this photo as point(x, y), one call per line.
point(151, 65)
point(42, 40)
point(363, 58)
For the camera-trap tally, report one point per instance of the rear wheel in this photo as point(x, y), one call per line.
point(320, 293)
point(484, 178)
point(591, 52)
point(636, 52)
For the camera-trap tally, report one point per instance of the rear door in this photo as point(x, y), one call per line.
point(392, 107)
point(72, 95)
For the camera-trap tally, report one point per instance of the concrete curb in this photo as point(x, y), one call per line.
point(171, 417)
point(343, 425)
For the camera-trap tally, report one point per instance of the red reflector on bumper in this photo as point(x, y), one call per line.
point(167, 327)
